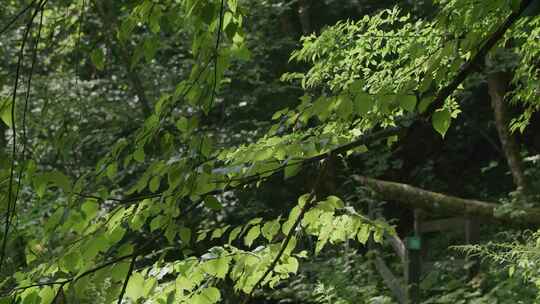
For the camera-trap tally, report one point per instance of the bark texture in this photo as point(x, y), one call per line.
point(413, 197)
point(498, 86)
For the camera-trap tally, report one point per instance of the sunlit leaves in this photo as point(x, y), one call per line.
point(206, 296)
point(234, 234)
point(323, 222)
point(270, 229)
point(5, 111)
point(252, 235)
point(361, 75)
point(217, 267)
point(135, 287)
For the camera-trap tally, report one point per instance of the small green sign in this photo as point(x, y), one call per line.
point(414, 242)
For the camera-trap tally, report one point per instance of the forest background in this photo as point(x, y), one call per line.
point(268, 151)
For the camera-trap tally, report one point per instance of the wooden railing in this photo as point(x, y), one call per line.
point(406, 288)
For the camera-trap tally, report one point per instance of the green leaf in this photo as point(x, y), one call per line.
point(98, 59)
point(126, 28)
point(424, 104)
point(94, 246)
point(71, 261)
point(252, 235)
point(227, 19)
point(185, 235)
point(217, 267)
point(54, 220)
point(335, 201)
point(363, 103)
point(292, 169)
point(183, 125)
point(311, 217)
point(327, 227)
point(233, 5)
point(149, 286)
point(111, 170)
point(137, 221)
point(153, 20)
point(183, 283)
point(511, 270)
point(209, 295)
point(408, 102)
point(441, 121)
point(135, 287)
point(202, 235)
point(217, 233)
point(270, 229)
point(138, 155)
point(345, 107)
point(363, 233)
point(157, 223)
point(212, 203)
point(154, 184)
point(116, 235)
point(5, 112)
point(290, 267)
point(40, 184)
point(150, 48)
point(119, 271)
point(60, 180)
point(286, 227)
point(212, 294)
point(234, 234)
point(47, 294)
point(30, 297)
point(90, 209)
point(170, 233)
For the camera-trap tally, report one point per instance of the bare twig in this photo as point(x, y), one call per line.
point(12, 200)
point(307, 206)
point(16, 17)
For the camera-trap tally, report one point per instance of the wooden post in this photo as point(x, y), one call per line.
point(413, 249)
point(414, 271)
point(413, 267)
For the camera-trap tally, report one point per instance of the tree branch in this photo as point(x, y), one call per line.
point(307, 206)
point(72, 279)
point(126, 281)
point(413, 197)
point(471, 65)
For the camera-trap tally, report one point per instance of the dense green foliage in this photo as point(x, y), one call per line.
point(186, 151)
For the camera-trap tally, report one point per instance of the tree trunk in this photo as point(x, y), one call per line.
point(413, 197)
point(498, 85)
point(304, 13)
